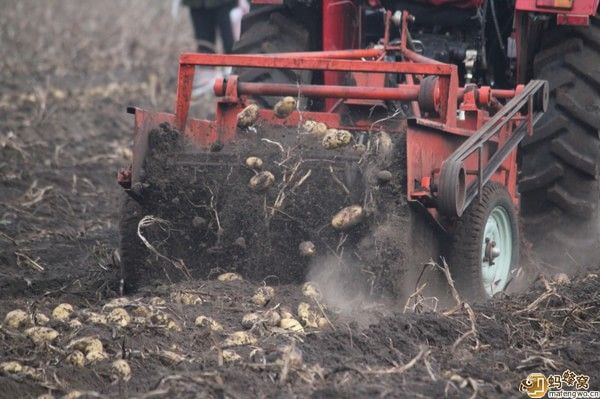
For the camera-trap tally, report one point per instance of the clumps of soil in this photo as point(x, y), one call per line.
point(214, 217)
point(197, 338)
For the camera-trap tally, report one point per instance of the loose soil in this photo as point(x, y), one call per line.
point(68, 69)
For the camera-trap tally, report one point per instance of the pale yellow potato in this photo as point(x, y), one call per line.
point(308, 316)
point(72, 395)
point(310, 289)
point(117, 303)
point(75, 323)
point(291, 325)
point(62, 312)
point(263, 295)
point(230, 356)
point(172, 325)
point(11, 367)
point(41, 319)
point(315, 128)
point(348, 217)
point(157, 301)
point(96, 318)
point(284, 107)
point(250, 319)
point(307, 249)
point(254, 162)
point(248, 116)
point(142, 311)
point(76, 358)
point(561, 278)
point(86, 344)
point(239, 338)
point(122, 370)
point(336, 138)
point(46, 396)
point(272, 318)
point(119, 317)
point(16, 319)
point(41, 335)
point(226, 277)
point(95, 356)
point(261, 181)
point(171, 356)
point(204, 321)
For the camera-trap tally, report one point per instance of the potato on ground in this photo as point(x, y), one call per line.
point(62, 312)
point(121, 369)
point(41, 335)
point(348, 217)
point(16, 319)
point(226, 277)
point(263, 295)
point(239, 338)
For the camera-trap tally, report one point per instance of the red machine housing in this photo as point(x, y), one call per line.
point(453, 144)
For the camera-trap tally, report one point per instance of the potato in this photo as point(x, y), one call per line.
point(62, 312)
point(172, 325)
point(311, 290)
point(284, 107)
point(307, 316)
point(11, 367)
point(315, 128)
point(186, 298)
point(157, 301)
point(291, 325)
point(254, 162)
point(40, 319)
point(171, 356)
point(41, 335)
point(263, 295)
point(248, 116)
point(204, 321)
point(76, 358)
point(142, 311)
point(322, 323)
point(159, 318)
point(336, 138)
point(119, 317)
point(230, 356)
point(226, 277)
point(239, 338)
point(72, 395)
point(122, 370)
point(16, 319)
point(117, 303)
point(86, 345)
point(348, 217)
point(95, 356)
point(307, 249)
point(95, 318)
point(261, 181)
point(75, 323)
point(250, 319)
point(46, 396)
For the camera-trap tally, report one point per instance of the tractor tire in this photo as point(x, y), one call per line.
point(132, 250)
point(493, 218)
point(273, 29)
point(560, 163)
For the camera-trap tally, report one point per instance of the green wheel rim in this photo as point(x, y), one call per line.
point(496, 251)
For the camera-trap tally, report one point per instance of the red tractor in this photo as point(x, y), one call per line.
point(408, 130)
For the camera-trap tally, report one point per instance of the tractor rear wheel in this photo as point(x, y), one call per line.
point(485, 245)
point(560, 163)
point(273, 29)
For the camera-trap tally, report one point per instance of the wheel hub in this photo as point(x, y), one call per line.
point(496, 251)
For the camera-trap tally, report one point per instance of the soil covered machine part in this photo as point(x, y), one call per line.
point(271, 192)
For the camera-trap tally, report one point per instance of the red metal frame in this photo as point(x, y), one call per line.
point(431, 138)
